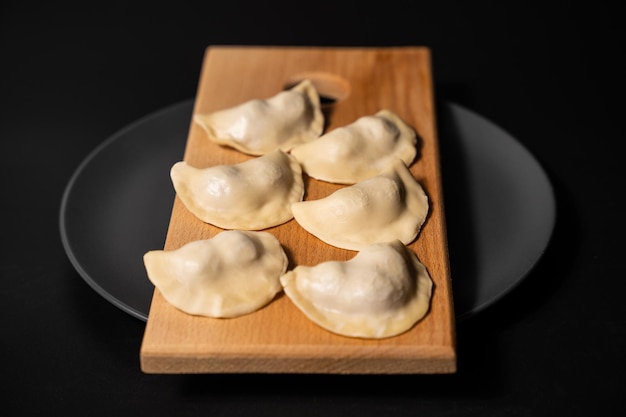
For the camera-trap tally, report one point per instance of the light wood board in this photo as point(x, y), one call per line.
point(279, 338)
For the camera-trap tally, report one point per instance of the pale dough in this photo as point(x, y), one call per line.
point(389, 206)
point(355, 152)
point(232, 274)
point(259, 126)
point(383, 291)
point(252, 195)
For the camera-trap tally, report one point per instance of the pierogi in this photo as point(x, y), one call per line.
point(259, 126)
point(383, 208)
point(381, 292)
point(363, 149)
point(232, 274)
point(251, 195)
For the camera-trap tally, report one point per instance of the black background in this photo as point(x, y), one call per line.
point(550, 74)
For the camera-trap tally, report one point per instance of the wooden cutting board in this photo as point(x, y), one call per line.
point(279, 338)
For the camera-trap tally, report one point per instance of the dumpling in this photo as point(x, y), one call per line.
point(381, 292)
point(355, 152)
point(389, 206)
point(259, 126)
point(251, 195)
point(234, 273)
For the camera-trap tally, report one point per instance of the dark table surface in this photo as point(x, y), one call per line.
point(71, 76)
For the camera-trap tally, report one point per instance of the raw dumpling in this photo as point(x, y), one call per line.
point(252, 195)
point(381, 292)
point(355, 152)
point(383, 208)
point(259, 126)
point(232, 274)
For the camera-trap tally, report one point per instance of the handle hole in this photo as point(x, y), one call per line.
point(331, 88)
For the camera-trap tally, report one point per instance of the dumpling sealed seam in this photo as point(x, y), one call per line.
point(386, 207)
point(252, 195)
point(232, 274)
point(259, 126)
point(382, 292)
point(360, 150)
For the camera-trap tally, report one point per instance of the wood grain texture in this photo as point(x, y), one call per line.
point(279, 338)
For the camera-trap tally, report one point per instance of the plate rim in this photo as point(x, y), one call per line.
point(95, 152)
point(551, 215)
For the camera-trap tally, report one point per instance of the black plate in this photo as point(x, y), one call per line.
point(500, 207)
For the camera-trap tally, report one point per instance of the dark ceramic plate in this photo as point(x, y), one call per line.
point(500, 207)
